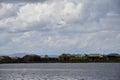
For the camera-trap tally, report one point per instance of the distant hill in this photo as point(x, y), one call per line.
point(17, 54)
point(23, 54)
point(51, 56)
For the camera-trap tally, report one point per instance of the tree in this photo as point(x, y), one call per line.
point(46, 56)
point(31, 58)
point(64, 57)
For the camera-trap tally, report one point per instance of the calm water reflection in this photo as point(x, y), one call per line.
point(60, 71)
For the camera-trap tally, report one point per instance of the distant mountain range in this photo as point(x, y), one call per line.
point(16, 54)
point(51, 55)
point(23, 54)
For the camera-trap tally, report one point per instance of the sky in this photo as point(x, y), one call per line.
point(58, 26)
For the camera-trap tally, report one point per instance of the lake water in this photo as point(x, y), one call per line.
point(60, 71)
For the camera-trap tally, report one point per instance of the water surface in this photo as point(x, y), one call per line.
point(60, 71)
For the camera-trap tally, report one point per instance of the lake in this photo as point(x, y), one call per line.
point(60, 71)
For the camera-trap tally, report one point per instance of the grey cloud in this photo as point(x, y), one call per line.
point(96, 25)
point(8, 10)
point(93, 12)
point(21, 1)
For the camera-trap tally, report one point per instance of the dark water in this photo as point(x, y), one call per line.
point(60, 71)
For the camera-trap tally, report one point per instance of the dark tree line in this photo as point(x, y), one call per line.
point(64, 58)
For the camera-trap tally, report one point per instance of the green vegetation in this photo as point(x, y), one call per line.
point(63, 58)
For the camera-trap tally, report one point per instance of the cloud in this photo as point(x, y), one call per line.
point(8, 10)
point(41, 16)
point(61, 14)
point(59, 26)
point(21, 1)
